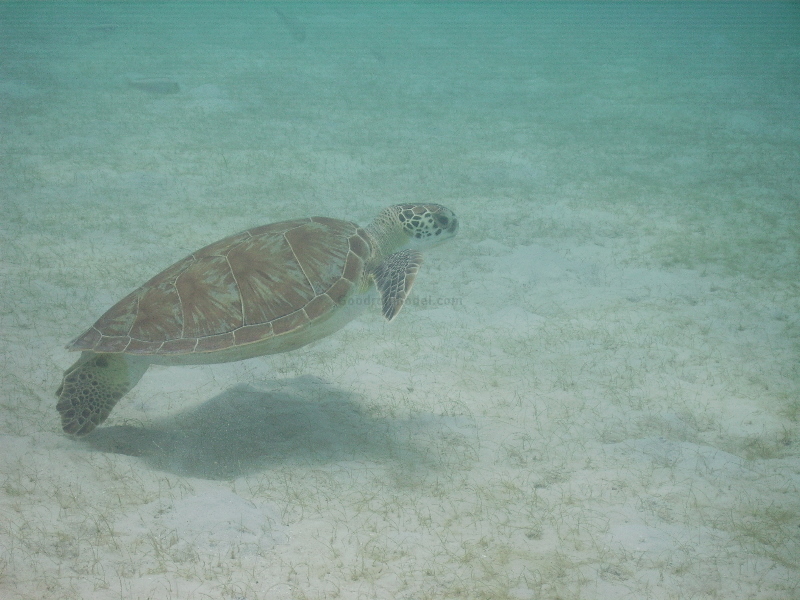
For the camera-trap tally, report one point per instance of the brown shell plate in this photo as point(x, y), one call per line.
point(244, 289)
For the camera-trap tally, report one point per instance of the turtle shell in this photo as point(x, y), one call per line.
point(247, 288)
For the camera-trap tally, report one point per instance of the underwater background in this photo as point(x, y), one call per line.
point(594, 391)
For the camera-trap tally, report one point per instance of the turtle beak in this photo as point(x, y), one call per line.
point(453, 226)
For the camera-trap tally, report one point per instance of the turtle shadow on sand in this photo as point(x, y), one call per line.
point(245, 430)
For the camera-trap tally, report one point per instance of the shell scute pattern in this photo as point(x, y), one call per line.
point(244, 289)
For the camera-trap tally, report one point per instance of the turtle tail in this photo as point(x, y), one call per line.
point(92, 386)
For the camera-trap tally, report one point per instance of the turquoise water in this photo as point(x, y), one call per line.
point(593, 392)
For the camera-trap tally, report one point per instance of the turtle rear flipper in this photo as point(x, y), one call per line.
point(92, 386)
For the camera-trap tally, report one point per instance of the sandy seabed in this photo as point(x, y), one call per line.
point(594, 392)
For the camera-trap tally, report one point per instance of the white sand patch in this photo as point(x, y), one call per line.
point(211, 98)
point(215, 523)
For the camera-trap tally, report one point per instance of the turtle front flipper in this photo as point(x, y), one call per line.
point(92, 386)
point(394, 278)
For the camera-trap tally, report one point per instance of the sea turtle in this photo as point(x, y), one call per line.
point(266, 290)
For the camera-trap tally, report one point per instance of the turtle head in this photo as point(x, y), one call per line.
point(413, 226)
